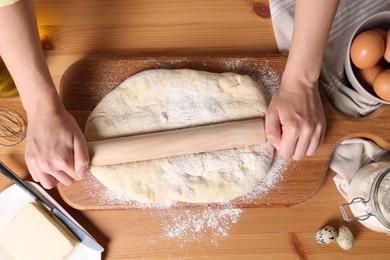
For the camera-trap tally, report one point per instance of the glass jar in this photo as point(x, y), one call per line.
point(7, 85)
point(369, 197)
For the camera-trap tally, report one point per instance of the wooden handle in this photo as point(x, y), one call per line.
point(177, 142)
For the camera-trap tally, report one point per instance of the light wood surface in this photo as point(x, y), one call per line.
point(75, 29)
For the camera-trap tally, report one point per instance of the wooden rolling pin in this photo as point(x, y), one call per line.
point(177, 142)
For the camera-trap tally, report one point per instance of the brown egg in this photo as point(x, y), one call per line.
point(387, 50)
point(367, 49)
point(382, 85)
point(366, 77)
point(382, 32)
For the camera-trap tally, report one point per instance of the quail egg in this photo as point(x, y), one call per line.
point(345, 238)
point(326, 235)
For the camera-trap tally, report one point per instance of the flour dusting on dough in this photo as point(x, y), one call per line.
point(156, 100)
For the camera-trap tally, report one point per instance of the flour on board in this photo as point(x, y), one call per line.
point(161, 99)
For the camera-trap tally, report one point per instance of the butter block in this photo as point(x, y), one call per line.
point(35, 233)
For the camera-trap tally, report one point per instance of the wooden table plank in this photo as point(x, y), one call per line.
point(260, 233)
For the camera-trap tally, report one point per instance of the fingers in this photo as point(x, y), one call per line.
point(81, 158)
point(273, 131)
point(294, 136)
point(295, 119)
point(61, 177)
point(56, 150)
point(303, 142)
point(298, 141)
point(317, 141)
point(289, 141)
point(65, 167)
point(48, 173)
point(48, 182)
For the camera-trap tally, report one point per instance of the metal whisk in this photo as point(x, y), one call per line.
point(13, 127)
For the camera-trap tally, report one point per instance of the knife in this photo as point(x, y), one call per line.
point(85, 238)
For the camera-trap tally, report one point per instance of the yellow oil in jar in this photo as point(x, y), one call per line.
point(7, 85)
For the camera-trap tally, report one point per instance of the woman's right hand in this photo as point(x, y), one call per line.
point(295, 120)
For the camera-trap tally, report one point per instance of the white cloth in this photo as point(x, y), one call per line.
point(352, 154)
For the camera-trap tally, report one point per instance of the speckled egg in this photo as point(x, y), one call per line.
point(345, 238)
point(326, 235)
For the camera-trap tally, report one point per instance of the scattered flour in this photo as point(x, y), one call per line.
point(184, 223)
point(189, 226)
point(160, 99)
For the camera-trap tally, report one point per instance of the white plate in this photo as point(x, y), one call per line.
point(13, 199)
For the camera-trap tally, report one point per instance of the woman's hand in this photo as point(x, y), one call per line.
point(56, 150)
point(295, 120)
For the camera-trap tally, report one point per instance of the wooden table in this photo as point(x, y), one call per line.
point(74, 29)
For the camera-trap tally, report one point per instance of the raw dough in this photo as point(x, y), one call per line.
point(160, 99)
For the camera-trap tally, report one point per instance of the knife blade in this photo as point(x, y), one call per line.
point(84, 237)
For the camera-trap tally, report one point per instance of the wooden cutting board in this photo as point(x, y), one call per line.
point(87, 81)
